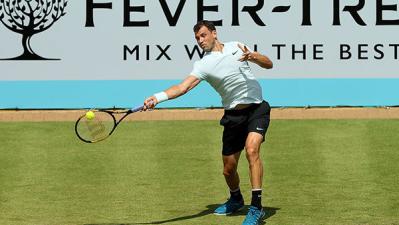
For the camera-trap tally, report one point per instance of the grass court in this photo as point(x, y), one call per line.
point(317, 172)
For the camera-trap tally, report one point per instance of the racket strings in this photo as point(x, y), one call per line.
point(97, 128)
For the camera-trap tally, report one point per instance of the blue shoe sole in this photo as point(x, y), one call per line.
point(225, 214)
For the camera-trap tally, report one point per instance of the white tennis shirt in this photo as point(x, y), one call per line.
point(232, 79)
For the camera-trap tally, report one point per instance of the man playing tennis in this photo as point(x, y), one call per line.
point(246, 117)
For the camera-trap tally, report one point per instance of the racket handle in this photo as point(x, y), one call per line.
point(136, 109)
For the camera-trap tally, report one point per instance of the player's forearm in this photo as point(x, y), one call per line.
point(175, 91)
point(262, 60)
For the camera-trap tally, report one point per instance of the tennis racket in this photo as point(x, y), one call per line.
point(97, 125)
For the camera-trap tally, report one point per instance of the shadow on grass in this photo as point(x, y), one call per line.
point(270, 211)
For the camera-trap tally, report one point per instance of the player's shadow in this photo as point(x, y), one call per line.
point(270, 211)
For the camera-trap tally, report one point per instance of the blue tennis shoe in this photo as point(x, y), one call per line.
point(229, 207)
point(254, 216)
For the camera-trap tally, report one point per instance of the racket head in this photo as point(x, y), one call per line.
point(92, 130)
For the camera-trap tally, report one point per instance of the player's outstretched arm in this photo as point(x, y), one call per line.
point(255, 57)
point(174, 91)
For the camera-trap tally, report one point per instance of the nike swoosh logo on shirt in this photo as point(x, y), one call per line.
point(234, 52)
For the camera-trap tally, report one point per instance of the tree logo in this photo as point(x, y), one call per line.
point(29, 17)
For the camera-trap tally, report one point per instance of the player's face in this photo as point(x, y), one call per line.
point(206, 39)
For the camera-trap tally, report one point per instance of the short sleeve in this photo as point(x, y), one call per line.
point(197, 72)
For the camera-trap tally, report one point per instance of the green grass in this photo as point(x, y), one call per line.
point(317, 172)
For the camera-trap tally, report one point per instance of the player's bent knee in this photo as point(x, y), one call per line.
point(252, 153)
point(229, 171)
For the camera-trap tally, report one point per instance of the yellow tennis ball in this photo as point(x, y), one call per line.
point(90, 115)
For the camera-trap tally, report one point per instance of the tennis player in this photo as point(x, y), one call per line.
point(225, 66)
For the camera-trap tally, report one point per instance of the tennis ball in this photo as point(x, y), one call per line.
point(90, 115)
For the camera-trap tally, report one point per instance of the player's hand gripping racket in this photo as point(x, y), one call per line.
point(97, 125)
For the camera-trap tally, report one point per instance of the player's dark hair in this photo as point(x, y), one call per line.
point(205, 23)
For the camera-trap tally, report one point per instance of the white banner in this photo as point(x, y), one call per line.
point(153, 39)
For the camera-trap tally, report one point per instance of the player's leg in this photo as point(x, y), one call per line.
point(257, 127)
point(230, 163)
point(252, 149)
point(236, 200)
point(233, 142)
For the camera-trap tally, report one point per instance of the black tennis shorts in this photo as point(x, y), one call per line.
point(238, 123)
